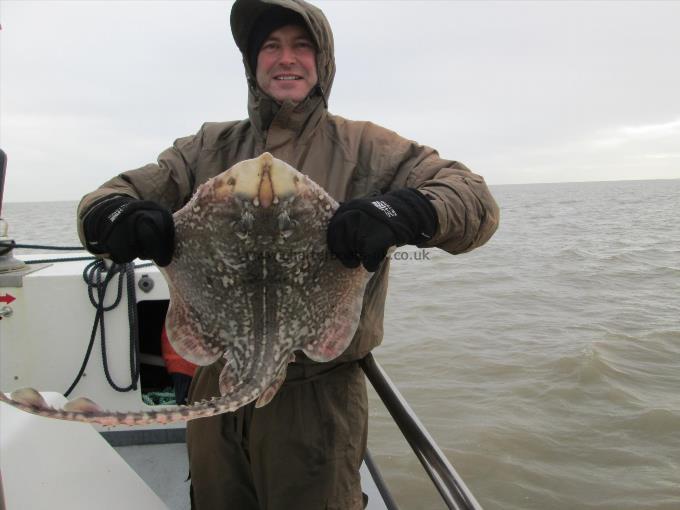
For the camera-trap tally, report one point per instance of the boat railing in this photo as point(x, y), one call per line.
point(448, 482)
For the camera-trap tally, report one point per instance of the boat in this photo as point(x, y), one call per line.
point(70, 322)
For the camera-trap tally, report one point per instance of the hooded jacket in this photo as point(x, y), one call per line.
point(348, 158)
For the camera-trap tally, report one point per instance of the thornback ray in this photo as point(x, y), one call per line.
point(251, 280)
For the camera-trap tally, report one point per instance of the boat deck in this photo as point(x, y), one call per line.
point(164, 468)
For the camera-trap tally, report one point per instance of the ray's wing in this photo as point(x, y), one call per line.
point(334, 305)
point(185, 332)
point(321, 299)
point(207, 312)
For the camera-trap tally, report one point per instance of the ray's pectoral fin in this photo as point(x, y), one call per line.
point(271, 390)
point(343, 296)
point(191, 346)
point(332, 344)
point(184, 333)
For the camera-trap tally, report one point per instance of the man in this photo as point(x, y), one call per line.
point(303, 449)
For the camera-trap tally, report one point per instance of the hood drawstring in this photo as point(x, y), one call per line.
point(319, 90)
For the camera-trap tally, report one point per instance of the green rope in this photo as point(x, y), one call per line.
point(165, 397)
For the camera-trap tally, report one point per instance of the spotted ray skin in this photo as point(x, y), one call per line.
point(251, 280)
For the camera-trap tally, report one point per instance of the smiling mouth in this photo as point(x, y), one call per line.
point(287, 77)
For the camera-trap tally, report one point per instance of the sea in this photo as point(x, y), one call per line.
point(546, 364)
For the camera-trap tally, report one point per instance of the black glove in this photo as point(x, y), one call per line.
point(127, 228)
point(363, 229)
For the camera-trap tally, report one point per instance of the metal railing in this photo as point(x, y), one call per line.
point(448, 482)
point(379, 482)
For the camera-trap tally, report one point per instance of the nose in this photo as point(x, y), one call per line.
point(287, 55)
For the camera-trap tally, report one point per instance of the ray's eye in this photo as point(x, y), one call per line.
point(247, 220)
point(285, 224)
point(244, 225)
point(231, 181)
point(284, 221)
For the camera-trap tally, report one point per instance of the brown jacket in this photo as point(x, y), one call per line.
point(348, 158)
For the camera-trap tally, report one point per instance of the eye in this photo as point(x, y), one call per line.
point(269, 46)
point(305, 45)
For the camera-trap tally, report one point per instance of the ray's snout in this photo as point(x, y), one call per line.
point(263, 181)
point(265, 193)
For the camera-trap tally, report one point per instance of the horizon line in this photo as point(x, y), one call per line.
point(489, 184)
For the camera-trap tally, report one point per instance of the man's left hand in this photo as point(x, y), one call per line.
point(362, 230)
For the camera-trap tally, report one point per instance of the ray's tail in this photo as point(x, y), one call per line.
point(85, 410)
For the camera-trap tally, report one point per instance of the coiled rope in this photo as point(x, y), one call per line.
point(97, 285)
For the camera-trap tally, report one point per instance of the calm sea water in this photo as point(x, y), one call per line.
point(546, 364)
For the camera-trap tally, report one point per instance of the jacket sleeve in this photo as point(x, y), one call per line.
point(468, 215)
point(169, 181)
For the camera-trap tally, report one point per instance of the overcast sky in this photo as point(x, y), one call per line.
point(519, 91)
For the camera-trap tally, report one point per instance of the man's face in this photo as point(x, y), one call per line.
point(286, 64)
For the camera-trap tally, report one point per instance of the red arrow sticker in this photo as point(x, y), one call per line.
point(7, 298)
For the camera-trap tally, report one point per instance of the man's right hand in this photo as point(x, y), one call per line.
point(127, 228)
